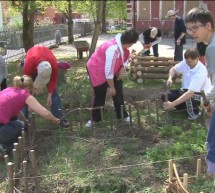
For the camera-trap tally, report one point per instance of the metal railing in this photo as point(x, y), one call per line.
point(11, 44)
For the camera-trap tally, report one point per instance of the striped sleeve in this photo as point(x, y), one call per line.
point(111, 57)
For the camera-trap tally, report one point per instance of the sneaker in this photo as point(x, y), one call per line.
point(89, 123)
point(127, 120)
point(195, 117)
point(64, 123)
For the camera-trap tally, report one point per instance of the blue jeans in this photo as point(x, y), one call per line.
point(9, 133)
point(56, 105)
point(211, 140)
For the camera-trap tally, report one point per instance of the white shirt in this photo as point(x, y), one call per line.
point(195, 79)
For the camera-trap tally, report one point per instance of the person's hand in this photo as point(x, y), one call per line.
point(178, 42)
point(112, 91)
point(168, 105)
point(49, 100)
point(121, 74)
point(56, 121)
point(147, 46)
point(169, 82)
point(208, 110)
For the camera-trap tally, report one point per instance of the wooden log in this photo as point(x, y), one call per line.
point(155, 76)
point(154, 58)
point(133, 69)
point(139, 67)
point(155, 69)
point(139, 73)
point(157, 63)
point(139, 80)
point(134, 76)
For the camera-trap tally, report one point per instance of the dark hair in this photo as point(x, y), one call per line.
point(199, 14)
point(192, 53)
point(129, 36)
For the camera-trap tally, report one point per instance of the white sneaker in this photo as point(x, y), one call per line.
point(88, 124)
point(195, 117)
point(127, 120)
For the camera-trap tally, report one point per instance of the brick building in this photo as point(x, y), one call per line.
point(143, 14)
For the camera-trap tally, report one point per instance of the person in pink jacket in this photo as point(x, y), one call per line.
point(107, 68)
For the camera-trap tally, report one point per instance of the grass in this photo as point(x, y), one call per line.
point(112, 160)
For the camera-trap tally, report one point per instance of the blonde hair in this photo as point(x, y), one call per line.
point(23, 82)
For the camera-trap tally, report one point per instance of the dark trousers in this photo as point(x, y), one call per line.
point(9, 133)
point(178, 54)
point(100, 96)
point(4, 84)
point(191, 106)
point(155, 51)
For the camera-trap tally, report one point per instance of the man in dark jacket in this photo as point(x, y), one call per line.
point(150, 38)
point(179, 34)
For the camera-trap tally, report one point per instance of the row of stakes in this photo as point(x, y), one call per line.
point(20, 150)
point(173, 173)
point(19, 167)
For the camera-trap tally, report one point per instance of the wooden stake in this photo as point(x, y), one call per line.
point(24, 143)
point(15, 160)
point(80, 118)
point(130, 114)
point(6, 159)
point(25, 180)
point(170, 170)
point(138, 114)
point(185, 180)
point(122, 116)
point(199, 167)
point(21, 148)
point(35, 171)
point(10, 177)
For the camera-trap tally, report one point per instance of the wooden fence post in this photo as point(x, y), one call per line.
point(25, 180)
point(10, 177)
point(170, 170)
point(185, 180)
point(35, 171)
point(199, 167)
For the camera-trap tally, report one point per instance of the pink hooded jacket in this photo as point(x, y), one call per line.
point(107, 60)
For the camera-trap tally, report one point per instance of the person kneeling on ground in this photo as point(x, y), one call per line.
point(13, 99)
point(106, 68)
point(194, 79)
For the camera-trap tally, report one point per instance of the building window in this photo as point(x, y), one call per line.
point(190, 4)
point(164, 7)
point(143, 10)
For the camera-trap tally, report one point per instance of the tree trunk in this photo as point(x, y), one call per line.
point(28, 24)
point(104, 18)
point(70, 23)
point(97, 27)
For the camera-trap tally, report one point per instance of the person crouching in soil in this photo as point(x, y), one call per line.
point(13, 99)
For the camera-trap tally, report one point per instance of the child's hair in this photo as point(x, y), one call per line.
point(199, 14)
point(23, 82)
point(129, 36)
point(192, 53)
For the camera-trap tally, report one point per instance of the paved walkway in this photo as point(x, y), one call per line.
point(166, 47)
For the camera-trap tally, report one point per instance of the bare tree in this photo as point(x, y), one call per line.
point(28, 24)
point(97, 27)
